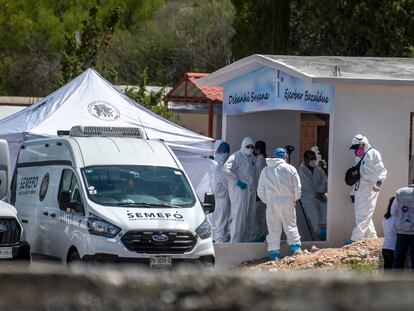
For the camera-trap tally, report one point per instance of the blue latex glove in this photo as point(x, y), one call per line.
point(241, 185)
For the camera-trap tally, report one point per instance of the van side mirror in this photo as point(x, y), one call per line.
point(209, 204)
point(4, 168)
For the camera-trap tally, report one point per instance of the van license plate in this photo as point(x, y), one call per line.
point(6, 252)
point(160, 261)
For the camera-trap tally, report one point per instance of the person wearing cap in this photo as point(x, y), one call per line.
point(221, 194)
point(279, 187)
point(239, 170)
point(373, 174)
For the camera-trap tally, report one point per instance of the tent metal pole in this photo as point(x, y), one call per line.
point(210, 118)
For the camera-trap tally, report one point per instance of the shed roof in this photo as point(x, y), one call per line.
point(321, 69)
point(188, 90)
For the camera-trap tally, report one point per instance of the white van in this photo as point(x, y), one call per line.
point(12, 246)
point(106, 194)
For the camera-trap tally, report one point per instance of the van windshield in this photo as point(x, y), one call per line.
point(131, 185)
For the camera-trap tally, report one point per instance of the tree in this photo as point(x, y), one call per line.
point(352, 28)
point(82, 50)
point(28, 37)
point(32, 37)
point(313, 27)
point(262, 27)
point(185, 35)
point(149, 99)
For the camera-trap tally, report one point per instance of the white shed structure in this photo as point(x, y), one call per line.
point(266, 97)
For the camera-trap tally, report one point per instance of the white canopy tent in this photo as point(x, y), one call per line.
point(89, 99)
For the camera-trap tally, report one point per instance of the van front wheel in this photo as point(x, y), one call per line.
point(74, 257)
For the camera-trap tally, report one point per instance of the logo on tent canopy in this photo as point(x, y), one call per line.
point(103, 110)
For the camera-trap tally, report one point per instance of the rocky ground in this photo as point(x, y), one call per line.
point(191, 288)
point(362, 256)
point(106, 288)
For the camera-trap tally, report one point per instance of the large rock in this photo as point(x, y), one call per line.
point(97, 289)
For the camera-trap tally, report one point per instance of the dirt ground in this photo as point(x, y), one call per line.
point(361, 256)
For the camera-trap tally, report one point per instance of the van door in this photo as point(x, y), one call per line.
point(72, 221)
point(47, 212)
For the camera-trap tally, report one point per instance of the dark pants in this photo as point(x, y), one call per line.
point(388, 255)
point(404, 242)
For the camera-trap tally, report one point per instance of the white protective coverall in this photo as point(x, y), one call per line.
point(372, 171)
point(313, 183)
point(258, 226)
point(221, 194)
point(279, 187)
point(241, 167)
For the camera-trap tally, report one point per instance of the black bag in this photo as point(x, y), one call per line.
point(353, 175)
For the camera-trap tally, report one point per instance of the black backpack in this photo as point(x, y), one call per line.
point(353, 175)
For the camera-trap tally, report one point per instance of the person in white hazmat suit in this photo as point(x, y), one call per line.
point(259, 228)
point(240, 172)
point(220, 189)
point(314, 188)
point(373, 174)
point(279, 187)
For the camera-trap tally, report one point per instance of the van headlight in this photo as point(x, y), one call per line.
point(204, 230)
point(98, 226)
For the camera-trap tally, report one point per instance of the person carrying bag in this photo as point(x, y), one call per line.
point(353, 174)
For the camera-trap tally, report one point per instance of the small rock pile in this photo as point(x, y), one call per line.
point(362, 253)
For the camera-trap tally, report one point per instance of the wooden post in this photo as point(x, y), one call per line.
point(210, 118)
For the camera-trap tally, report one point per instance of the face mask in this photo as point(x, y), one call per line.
point(360, 153)
point(248, 151)
point(312, 163)
point(221, 157)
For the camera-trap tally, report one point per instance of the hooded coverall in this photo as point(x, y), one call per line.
point(240, 167)
point(221, 194)
point(372, 172)
point(279, 187)
point(313, 182)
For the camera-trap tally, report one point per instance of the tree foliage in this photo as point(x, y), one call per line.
point(352, 28)
point(32, 38)
point(83, 49)
point(149, 99)
point(312, 27)
point(171, 37)
point(185, 35)
point(262, 27)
